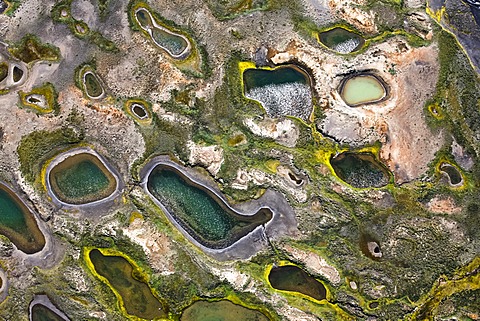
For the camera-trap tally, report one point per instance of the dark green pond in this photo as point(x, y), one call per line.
point(92, 85)
point(42, 313)
point(17, 74)
point(3, 71)
point(341, 40)
point(18, 224)
point(255, 78)
point(453, 173)
point(199, 211)
point(292, 278)
point(360, 170)
point(80, 179)
point(220, 311)
point(136, 295)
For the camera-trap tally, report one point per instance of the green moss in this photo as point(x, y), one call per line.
point(30, 49)
point(37, 147)
point(47, 90)
point(229, 9)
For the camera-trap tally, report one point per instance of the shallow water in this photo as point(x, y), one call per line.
point(18, 224)
point(220, 311)
point(362, 89)
point(80, 179)
point(341, 40)
point(92, 85)
point(292, 278)
point(42, 313)
point(360, 170)
point(136, 295)
point(200, 212)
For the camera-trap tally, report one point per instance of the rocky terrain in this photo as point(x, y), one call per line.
point(408, 250)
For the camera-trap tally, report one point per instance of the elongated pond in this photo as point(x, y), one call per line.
point(18, 223)
point(292, 278)
point(341, 40)
point(283, 91)
point(80, 179)
point(176, 45)
point(200, 211)
point(220, 311)
point(360, 170)
point(362, 89)
point(136, 296)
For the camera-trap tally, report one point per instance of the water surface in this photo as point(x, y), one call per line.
point(360, 170)
point(136, 295)
point(292, 278)
point(18, 223)
point(220, 311)
point(92, 85)
point(43, 313)
point(199, 211)
point(254, 78)
point(341, 40)
point(81, 178)
point(362, 89)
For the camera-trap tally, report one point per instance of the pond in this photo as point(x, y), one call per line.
point(292, 278)
point(453, 174)
point(18, 223)
point(362, 89)
point(40, 312)
point(176, 45)
point(136, 295)
point(360, 170)
point(81, 178)
point(341, 40)
point(199, 211)
point(92, 85)
point(220, 311)
point(139, 111)
point(282, 91)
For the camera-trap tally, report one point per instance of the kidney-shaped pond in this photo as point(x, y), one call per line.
point(292, 278)
point(18, 223)
point(81, 179)
point(220, 311)
point(136, 296)
point(360, 170)
point(200, 211)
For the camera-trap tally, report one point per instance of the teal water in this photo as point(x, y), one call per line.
point(360, 170)
point(199, 210)
point(220, 311)
point(337, 36)
point(174, 44)
point(80, 179)
point(11, 214)
point(18, 224)
point(292, 278)
point(254, 78)
point(201, 213)
point(136, 295)
point(42, 313)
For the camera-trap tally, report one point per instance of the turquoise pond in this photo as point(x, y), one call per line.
point(80, 179)
point(199, 211)
point(18, 224)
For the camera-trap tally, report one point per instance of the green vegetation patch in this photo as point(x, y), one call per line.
point(140, 110)
point(229, 9)
point(39, 146)
point(30, 49)
point(43, 99)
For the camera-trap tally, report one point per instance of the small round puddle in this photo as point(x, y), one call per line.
point(139, 111)
point(17, 74)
